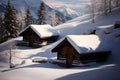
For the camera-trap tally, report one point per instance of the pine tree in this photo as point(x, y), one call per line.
point(110, 6)
point(10, 21)
point(28, 18)
point(21, 19)
point(58, 21)
point(118, 3)
point(1, 28)
point(103, 6)
point(93, 10)
point(1, 19)
point(41, 13)
point(52, 16)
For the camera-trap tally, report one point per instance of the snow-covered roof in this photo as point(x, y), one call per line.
point(86, 43)
point(42, 30)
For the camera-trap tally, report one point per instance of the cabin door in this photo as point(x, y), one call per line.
point(31, 41)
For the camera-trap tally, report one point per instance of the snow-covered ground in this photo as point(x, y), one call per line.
point(28, 70)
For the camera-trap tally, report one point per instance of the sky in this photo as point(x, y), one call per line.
point(77, 5)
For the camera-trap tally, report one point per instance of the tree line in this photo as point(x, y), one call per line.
point(12, 21)
point(104, 7)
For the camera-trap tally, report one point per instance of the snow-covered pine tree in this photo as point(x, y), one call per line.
point(21, 19)
point(10, 21)
point(58, 21)
point(114, 4)
point(107, 6)
point(1, 28)
point(1, 19)
point(93, 10)
point(42, 13)
point(117, 3)
point(102, 7)
point(52, 16)
point(28, 18)
point(110, 6)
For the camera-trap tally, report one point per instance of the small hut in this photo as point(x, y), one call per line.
point(80, 49)
point(38, 35)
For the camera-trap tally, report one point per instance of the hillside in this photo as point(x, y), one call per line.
point(28, 70)
point(83, 25)
point(68, 12)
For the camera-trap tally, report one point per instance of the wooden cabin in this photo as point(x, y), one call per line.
point(38, 35)
point(80, 49)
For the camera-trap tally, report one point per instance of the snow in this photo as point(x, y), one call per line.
point(28, 70)
point(84, 43)
point(42, 30)
point(77, 5)
point(39, 59)
point(84, 25)
point(68, 12)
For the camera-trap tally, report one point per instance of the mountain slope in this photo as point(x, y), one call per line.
point(68, 12)
point(22, 5)
point(83, 24)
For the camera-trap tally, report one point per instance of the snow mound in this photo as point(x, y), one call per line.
point(39, 59)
